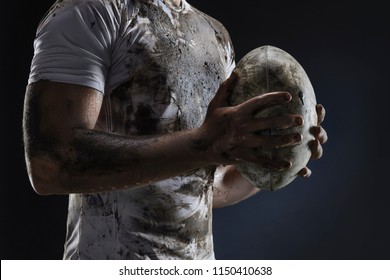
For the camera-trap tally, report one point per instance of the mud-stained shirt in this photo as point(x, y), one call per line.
point(158, 67)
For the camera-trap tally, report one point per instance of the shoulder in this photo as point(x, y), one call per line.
point(75, 39)
point(221, 35)
point(111, 11)
point(218, 27)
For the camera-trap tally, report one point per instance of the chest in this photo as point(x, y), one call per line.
point(167, 67)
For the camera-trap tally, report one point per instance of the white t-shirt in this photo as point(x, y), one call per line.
point(158, 67)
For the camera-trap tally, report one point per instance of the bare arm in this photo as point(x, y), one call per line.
point(230, 187)
point(65, 154)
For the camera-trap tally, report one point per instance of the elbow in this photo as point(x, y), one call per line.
point(46, 176)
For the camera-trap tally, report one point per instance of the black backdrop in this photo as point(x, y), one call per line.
point(341, 212)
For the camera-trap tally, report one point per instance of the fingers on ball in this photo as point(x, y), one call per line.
point(316, 149)
point(276, 122)
point(277, 141)
point(266, 100)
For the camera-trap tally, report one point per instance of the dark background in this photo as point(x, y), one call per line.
point(340, 212)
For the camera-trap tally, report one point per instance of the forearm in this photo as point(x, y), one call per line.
point(95, 161)
point(230, 187)
point(64, 154)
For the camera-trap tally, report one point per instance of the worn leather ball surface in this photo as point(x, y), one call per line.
point(268, 69)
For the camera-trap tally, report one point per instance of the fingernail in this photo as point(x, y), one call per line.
point(299, 121)
point(287, 96)
point(298, 137)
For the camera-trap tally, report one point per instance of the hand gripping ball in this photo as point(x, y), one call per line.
point(268, 69)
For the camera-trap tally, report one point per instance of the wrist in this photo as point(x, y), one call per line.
point(202, 146)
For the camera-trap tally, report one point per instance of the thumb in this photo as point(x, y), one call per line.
point(221, 97)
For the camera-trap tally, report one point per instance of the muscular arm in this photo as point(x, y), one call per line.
point(64, 153)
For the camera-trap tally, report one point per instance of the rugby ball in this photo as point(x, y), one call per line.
point(268, 69)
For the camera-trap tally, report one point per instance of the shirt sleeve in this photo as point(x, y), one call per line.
point(74, 43)
point(231, 63)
